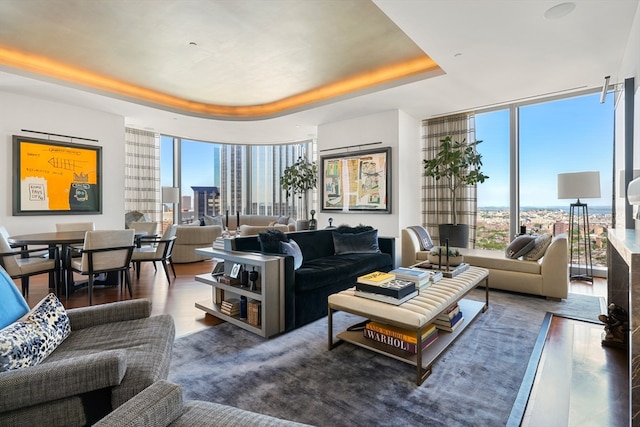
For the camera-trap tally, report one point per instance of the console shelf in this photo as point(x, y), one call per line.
point(269, 290)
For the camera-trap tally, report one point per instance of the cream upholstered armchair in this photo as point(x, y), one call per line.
point(103, 251)
point(19, 265)
point(159, 250)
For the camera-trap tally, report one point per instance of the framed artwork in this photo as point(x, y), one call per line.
point(51, 177)
point(356, 182)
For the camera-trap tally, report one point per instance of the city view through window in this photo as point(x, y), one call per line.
point(561, 136)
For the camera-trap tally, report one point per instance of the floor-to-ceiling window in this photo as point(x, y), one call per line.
point(571, 134)
point(216, 179)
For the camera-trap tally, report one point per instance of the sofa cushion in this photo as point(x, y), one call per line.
point(270, 241)
point(354, 243)
point(291, 248)
point(31, 339)
point(283, 220)
point(542, 242)
point(520, 246)
point(212, 220)
point(252, 230)
point(495, 260)
point(321, 272)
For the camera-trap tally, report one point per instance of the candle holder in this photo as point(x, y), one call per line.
point(253, 277)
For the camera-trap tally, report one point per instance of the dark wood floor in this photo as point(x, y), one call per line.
point(178, 300)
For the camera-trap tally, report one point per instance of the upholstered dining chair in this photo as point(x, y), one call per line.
point(148, 231)
point(19, 265)
point(103, 251)
point(75, 226)
point(159, 251)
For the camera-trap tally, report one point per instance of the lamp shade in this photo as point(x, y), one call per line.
point(633, 192)
point(577, 185)
point(170, 194)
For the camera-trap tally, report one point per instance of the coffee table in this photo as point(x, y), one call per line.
point(415, 315)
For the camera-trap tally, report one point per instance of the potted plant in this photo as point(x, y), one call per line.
point(297, 179)
point(458, 163)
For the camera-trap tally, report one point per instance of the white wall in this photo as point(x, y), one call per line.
point(394, 129)
point(19, 112)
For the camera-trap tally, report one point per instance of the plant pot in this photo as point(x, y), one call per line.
point(453, 260)
point(458, 235)
point(302, 224)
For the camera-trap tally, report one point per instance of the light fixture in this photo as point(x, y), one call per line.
point(171, 195)
point(560, 10)
point(578, 185)
point(605, 89)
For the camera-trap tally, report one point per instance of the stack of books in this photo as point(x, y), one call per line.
point(398, 337)
point(420, 276)
point(230, 307)
point(385, 287)
point(450, 319)
point(254, 312)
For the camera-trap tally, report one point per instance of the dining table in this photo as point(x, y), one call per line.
point(53, 239)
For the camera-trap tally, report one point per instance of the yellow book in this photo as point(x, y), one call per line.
point(400, 333)
point(376, 278)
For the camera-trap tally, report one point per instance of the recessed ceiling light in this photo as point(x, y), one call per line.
point(457, 55)
point(560, 10)
point(193, 44)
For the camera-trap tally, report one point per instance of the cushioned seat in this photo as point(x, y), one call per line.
point(497, 260)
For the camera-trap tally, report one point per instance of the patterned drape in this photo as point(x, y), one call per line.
point(436, 197)
point(142, 173)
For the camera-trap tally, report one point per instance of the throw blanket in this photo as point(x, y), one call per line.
point(423, 236)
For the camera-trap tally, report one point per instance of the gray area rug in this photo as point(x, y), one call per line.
point(295, 377)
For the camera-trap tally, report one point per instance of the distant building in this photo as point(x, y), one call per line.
point(206, 201)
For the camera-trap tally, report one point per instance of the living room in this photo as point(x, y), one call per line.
point(28, 103)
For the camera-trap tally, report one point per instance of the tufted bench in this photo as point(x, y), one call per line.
point(415, 315)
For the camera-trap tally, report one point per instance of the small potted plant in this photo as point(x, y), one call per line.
point(458, 163)
point(438, 256)
point(298, 179)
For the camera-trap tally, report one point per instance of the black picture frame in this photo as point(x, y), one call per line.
point(56, 178)
point(356, 182)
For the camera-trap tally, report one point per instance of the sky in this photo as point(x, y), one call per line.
point(569, 135)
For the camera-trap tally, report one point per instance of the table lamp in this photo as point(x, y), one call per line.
point(171, 195)
point(576, 185)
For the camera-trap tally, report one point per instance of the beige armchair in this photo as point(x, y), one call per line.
point(103, 251)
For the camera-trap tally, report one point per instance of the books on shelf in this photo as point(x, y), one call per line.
point(254, 312)
point(385, 298)
point(396, 288)
point(230, 306)
point(411, 347)
point(450, 319)
point(398, 332)
point(376, 278)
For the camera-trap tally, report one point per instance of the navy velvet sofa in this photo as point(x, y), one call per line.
point(322, 272)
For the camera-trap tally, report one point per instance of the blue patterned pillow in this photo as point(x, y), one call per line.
point(31, 339)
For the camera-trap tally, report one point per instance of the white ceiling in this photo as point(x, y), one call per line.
point(491, 52)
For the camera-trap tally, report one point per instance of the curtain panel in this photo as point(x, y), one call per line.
point(436, 196)
point(142, 173)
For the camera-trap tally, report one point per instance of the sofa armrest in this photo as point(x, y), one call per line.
point(86, 317)
point(387, 245)
point(158, 405)
point(56, 380)
point(410, 247)
point(555, 268)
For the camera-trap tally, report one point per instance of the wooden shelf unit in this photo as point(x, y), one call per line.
point(269, 291)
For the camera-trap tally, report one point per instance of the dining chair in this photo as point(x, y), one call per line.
point(19, 265)
point(148, 231)
point(159, 251)
point(103, 251)
point(75, 226)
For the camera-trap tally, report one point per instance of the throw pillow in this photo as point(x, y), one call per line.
point(31, 339)
point(283, 220)
point(13, 305)
point(292, 248)
point(353, 230)
point(542, 242)
point(270, 241)
point(213, 220)
point(355, 243)
point(520, 246)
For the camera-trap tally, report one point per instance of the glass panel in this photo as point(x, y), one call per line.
point(200, 180)
point(569, 135)
point(492, 230)
point(166, 176)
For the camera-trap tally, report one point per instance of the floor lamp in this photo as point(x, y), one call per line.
point(171, 195)
point(578, 185)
